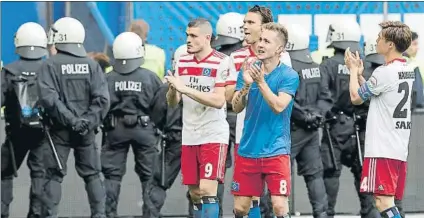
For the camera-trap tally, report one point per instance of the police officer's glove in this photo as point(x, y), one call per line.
point(313, 121)
point(330, 117)
point(81, 126)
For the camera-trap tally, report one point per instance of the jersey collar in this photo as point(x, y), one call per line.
point(396, 59)
point(205, 58)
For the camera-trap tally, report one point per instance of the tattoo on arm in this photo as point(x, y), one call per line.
point(242, 95)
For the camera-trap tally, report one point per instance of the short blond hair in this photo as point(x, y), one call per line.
point(279, 29)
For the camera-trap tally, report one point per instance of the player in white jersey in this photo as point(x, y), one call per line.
point(253, 20)
point(199, 80)
point(389, 116)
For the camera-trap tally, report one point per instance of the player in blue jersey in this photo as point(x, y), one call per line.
point(264, 149)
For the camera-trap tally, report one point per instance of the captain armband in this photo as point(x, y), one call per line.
point(364, 91)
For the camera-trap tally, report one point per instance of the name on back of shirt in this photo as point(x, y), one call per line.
point(75, 69)
point(128, 86)
point(406, 75)
point(311, 73)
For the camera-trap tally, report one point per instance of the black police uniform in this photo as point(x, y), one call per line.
point(342, 131)
point(128, 123)
point(74, 93)
point(169, 121)
point(23, 132)
point(312, 99)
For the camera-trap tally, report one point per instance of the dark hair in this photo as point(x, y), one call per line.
point(398, 33)
point(101, 58)
point(414, 36)
point(199, 22)
point(265, 13)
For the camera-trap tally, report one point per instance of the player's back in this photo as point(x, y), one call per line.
point(203, 124)
point(389, 115)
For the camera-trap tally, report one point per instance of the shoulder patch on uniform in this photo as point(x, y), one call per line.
point(373, 80)
point(225, 74)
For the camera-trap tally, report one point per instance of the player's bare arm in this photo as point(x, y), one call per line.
point(173, 97)
point(215, 99)
point(240, 99)
point(277, 102)
point(230, 88)
point(355, 66)
point(229, 92)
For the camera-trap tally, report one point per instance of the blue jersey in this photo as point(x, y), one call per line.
point(265, 133)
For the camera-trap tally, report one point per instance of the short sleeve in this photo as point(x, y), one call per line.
point(223, 72)
point(232, 73)
point(289, 83)
point(375, 85)
point(240, 81)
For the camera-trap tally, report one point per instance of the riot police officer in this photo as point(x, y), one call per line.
point(128, 122)
point(19, 96)
point(168, 120)
point(341, 35)
point(74, 94)
point(229, 33)
point(312, 99)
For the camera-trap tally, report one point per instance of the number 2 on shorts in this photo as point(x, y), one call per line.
point(208, 170)
point(283, 187)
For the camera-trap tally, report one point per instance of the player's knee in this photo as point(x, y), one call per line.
point(208, 187)
point(384, 202)
point(317, 175)
point(195, 194)
point(280, 205)
point(241, 205)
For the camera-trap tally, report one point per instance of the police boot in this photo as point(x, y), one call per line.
point(398, 204)
point(36, 198)
point(6, 196)
point(368, 210)
point(265, 205)
point(317, 195)
point(220, 195)
point(332, 188)
point(154, 199)
point(53, 194)
point(96, 195)
point(113, 189)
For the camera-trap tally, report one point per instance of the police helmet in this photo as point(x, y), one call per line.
point(229, 29)
point(31, 41)
point(344, 33)
point(182, 50)
point(68, 35)
point(128, 52)
point(370, 50)
point(298, 43)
